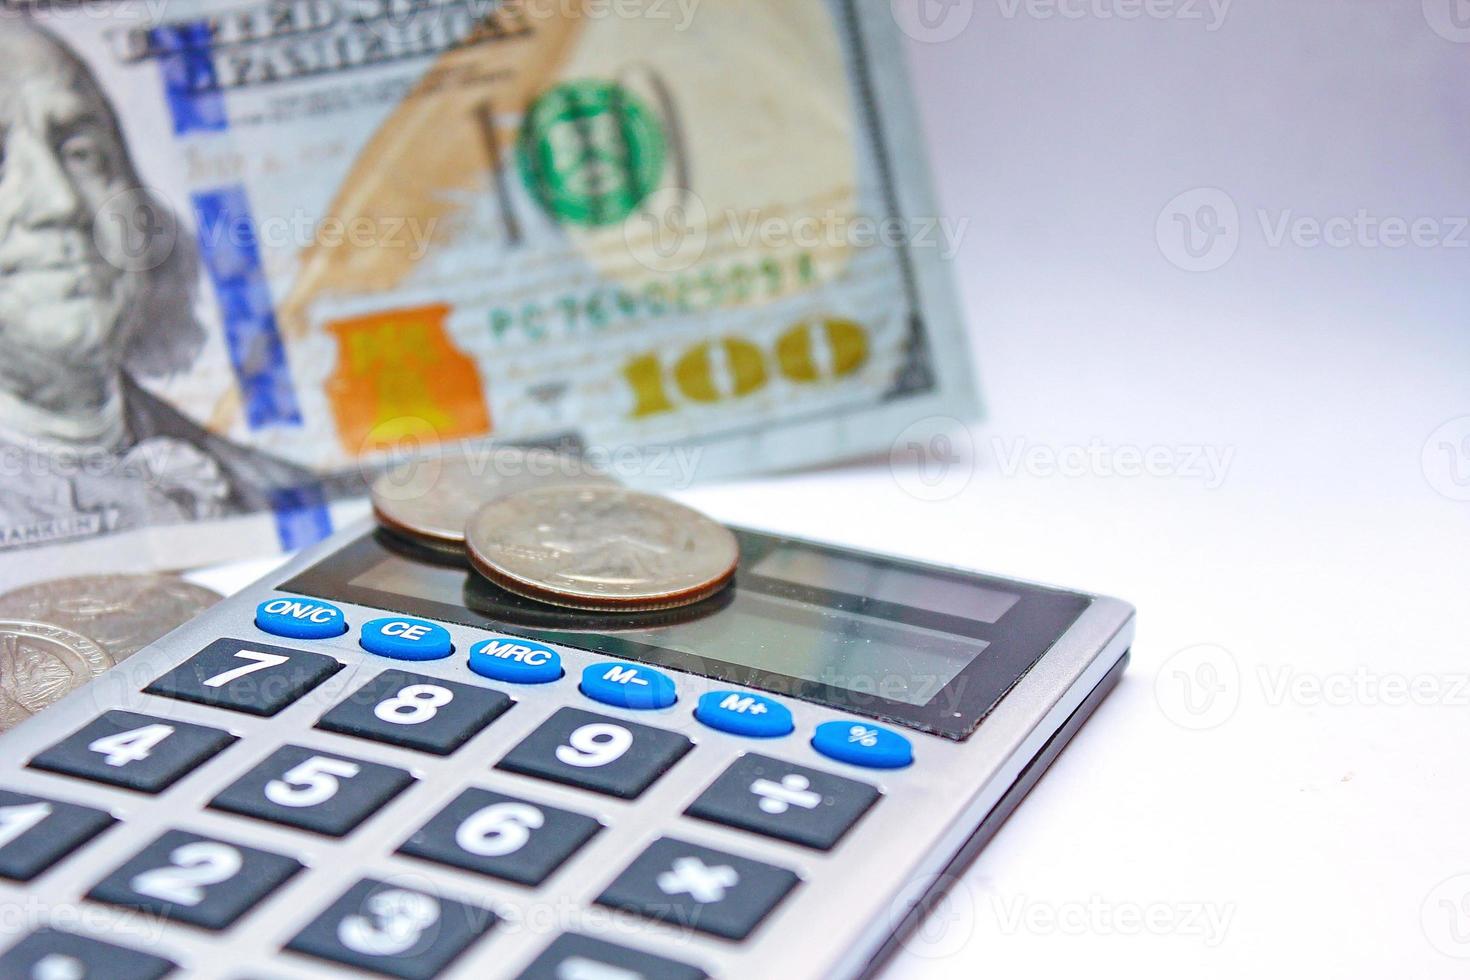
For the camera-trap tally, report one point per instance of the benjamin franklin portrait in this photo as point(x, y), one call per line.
point(86, 318)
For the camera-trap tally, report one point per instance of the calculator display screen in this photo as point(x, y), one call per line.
point(919, 646)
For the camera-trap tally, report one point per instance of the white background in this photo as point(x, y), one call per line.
point(1262, 793)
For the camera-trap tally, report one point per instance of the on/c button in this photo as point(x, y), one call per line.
point(402, 638)
point(300, 619)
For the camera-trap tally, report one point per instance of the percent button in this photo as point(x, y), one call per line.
point(863, 744)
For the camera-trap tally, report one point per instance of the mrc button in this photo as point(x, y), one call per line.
point(862, 744)
point(300, 619)
point(515, 661)
point(744, 714)
point(628, 686)
point(402, 638)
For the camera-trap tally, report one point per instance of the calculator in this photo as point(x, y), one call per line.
point(374, 762)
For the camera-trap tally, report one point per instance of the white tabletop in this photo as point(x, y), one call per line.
point(1280, 783)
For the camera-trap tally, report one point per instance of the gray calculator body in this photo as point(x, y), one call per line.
point(982, 679)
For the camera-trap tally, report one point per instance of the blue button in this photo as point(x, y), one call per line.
point(744, 714)
point(515, 661)
point(628, 686)
point(406, 639)
point(300, 619)
point(862, 744)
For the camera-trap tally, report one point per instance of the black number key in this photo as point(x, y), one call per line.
point(256, 678)
point(606, 755)
point(393, 930)
point(582, 956)
point(134, 751)
point(193, 879)
point(502, 836)
point(35, 832)
point(423, 713)
point(313, 790)
point(53, 953)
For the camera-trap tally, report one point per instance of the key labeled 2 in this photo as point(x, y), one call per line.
point(317, 791)
point(591, 751)
point(199, 880)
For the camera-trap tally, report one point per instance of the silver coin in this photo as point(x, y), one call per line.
point(600, 548)
point(123, 613)
point(40, 664)
point(431, 499)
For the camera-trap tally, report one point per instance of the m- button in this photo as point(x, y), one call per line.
point(628, 686)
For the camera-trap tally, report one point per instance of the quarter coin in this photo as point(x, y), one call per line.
point(122, 613)
point(429, 500)
point(40, 664)
point(600, 548)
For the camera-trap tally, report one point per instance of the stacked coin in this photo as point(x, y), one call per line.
point(600, 548)
point(550, 528)
point(56, 636)
point(429, 501)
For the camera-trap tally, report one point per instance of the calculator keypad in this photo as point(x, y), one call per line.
point(52, 953)
point(699, 888)
point(36, 832)
point(573, 956)
point(502, 836)
point(256, 678)
point(403, 926)
point(317, 791)
point(198, 880)
point(423, 713)
point(785, 801)
point(598, 753)
point(393, 930)
point(134, 751)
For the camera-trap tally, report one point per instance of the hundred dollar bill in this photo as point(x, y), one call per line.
point(252, 250)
